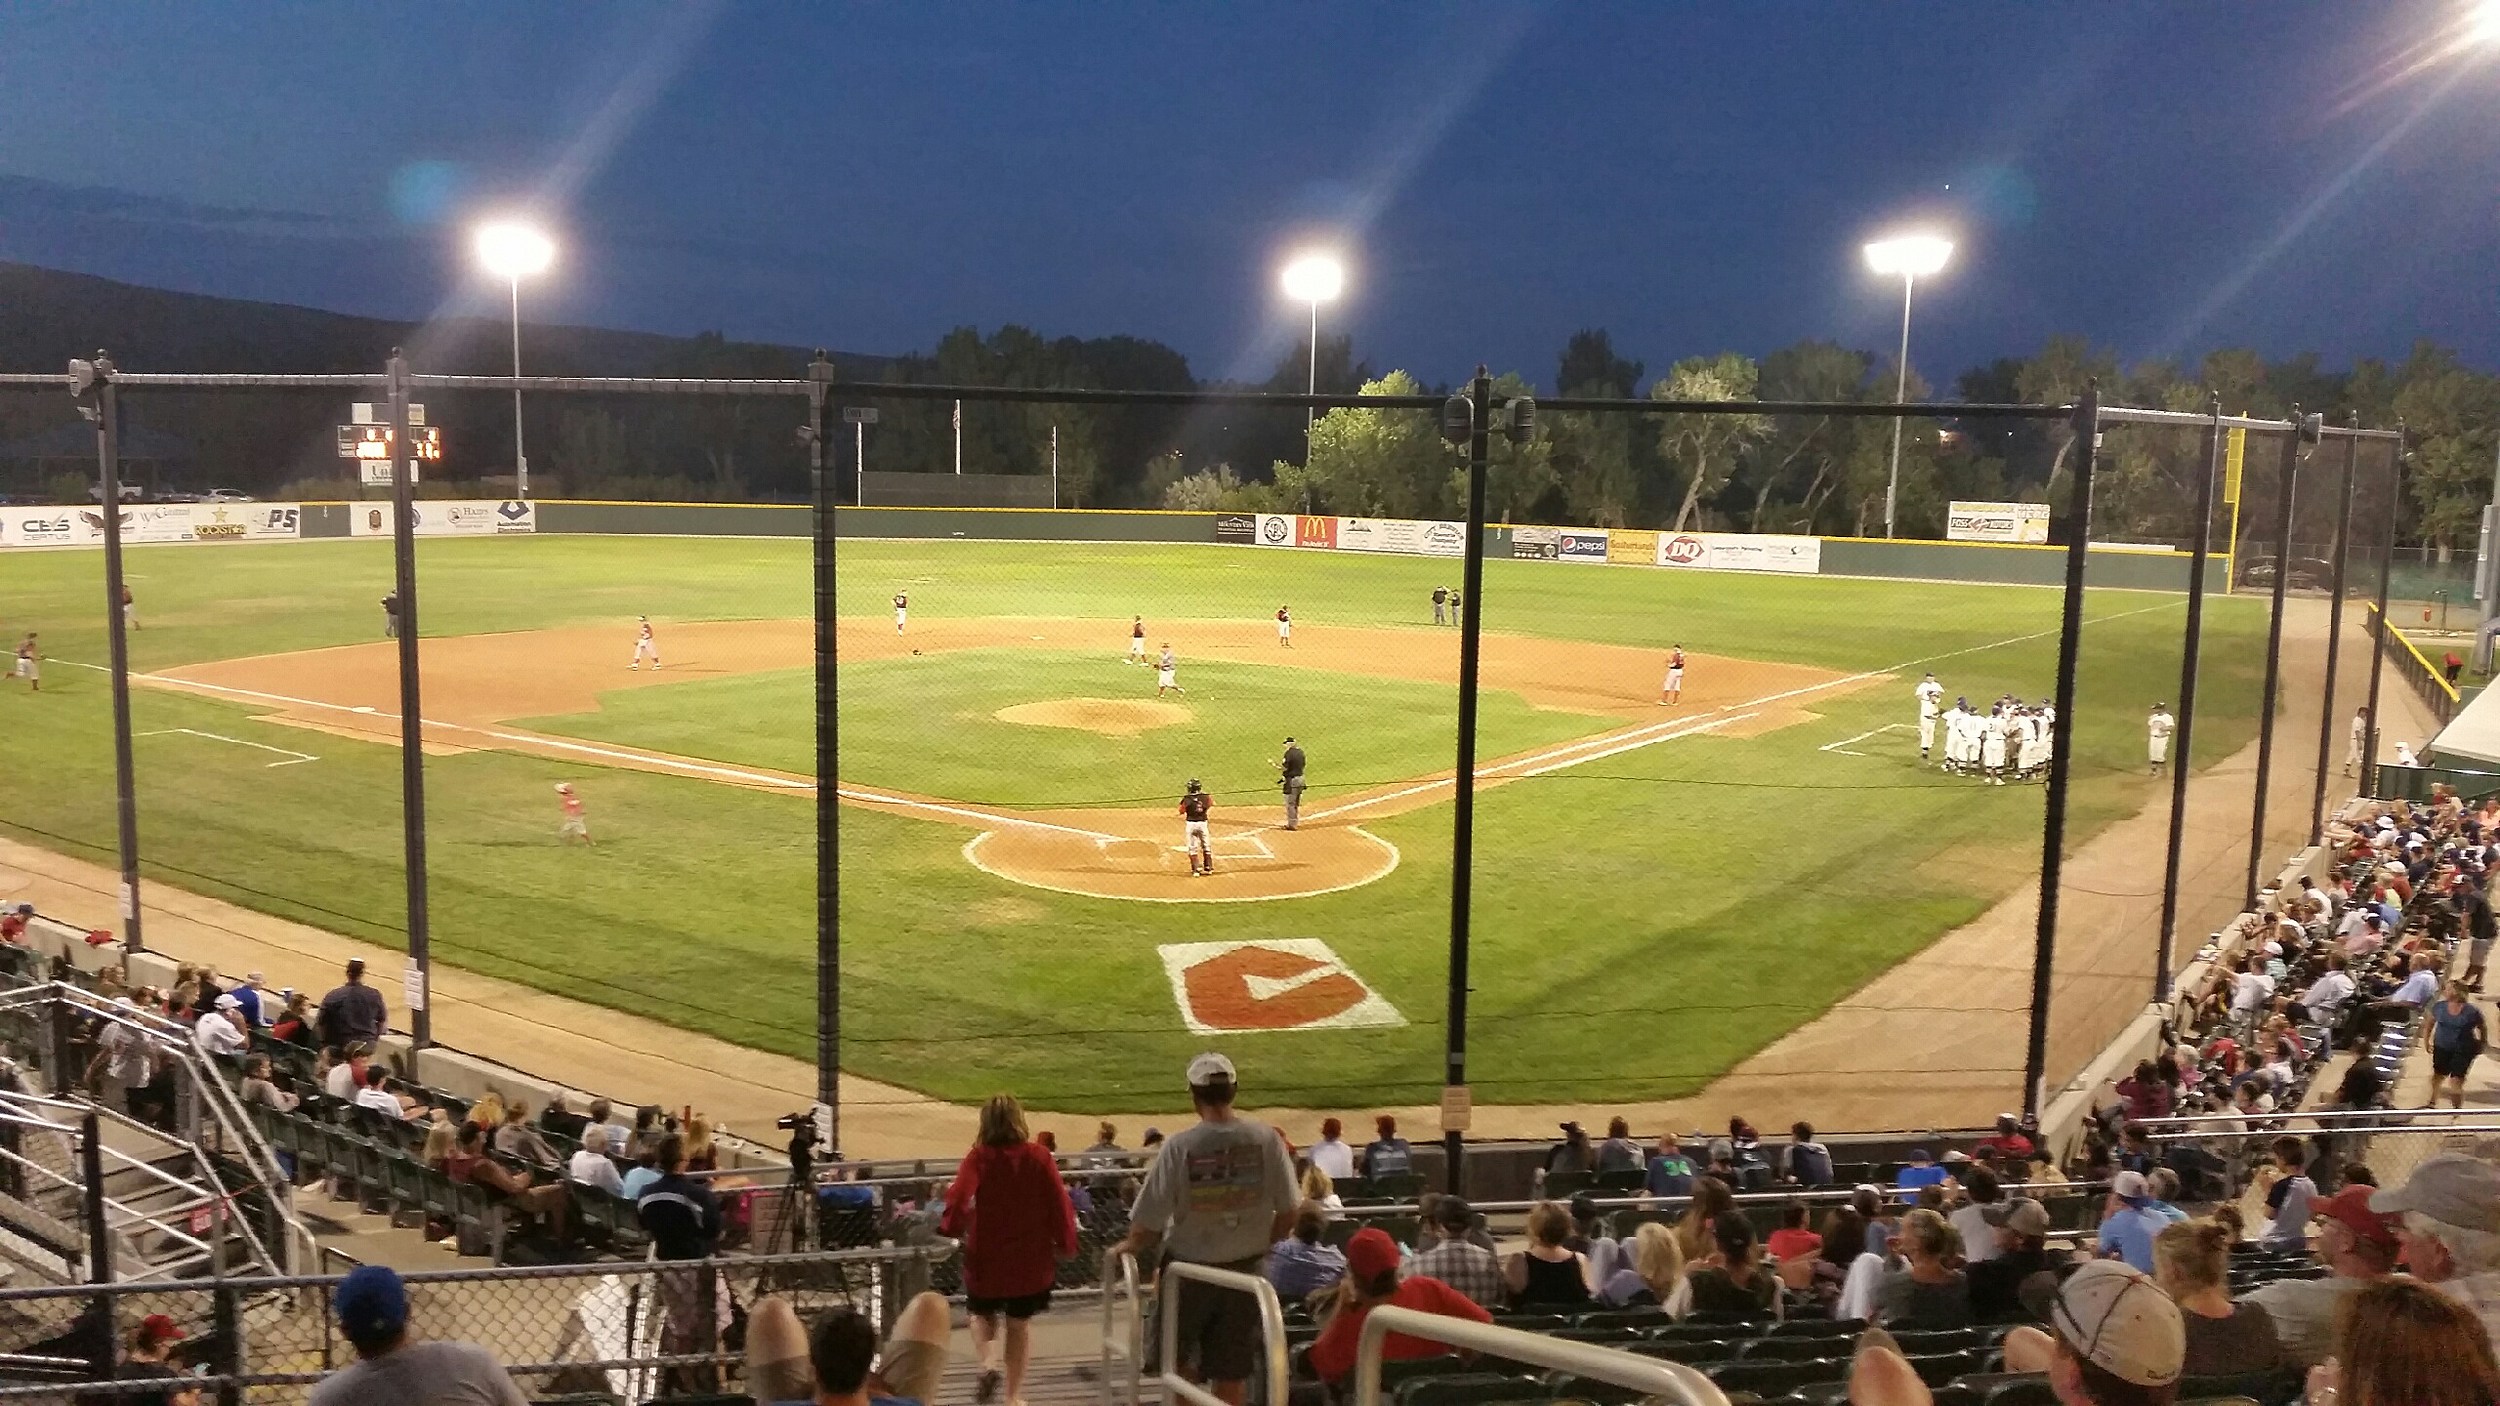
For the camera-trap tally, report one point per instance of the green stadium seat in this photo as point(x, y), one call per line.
point(1786, 1349)
point(1531, 1322)
point(1624, 1318)
point(1601, 1333)
point(1769, 1379)
point(1816, 1328)
point(1470, 1389)
point(1691, 1351)
point(1559, 1185)
point(1566, 1385)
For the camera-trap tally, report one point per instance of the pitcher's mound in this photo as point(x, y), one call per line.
point(1112, 717)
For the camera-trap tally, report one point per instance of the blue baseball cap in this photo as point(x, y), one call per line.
point(372, 1303)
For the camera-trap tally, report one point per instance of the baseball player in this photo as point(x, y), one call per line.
point(1137, 640)
point(1284, 627)
point(1673, 690)
point(646, 645)
point(1167, 669)
point(1992, 746)
point(130, 607)
point(902, 607)
point(1440, 605)
point(1930, 703)
point(576, 824)
point(1289, 780)
point(2360, 738)
point(29, 663)
point(1195, 805)
point(1454, 616)
point(2031, 750)
point(2157, 730)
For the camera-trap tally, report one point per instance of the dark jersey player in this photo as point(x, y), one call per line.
point(1196, 805)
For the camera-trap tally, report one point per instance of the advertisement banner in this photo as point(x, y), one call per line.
point(1275, 529)
point(44, 527)
point(448, 518)
point(1361, 534)
point(150, 523)
point(1416, 537)
point(1735, 551)
point(1236, 527)
point(242, 522)
point(1630, 546)
point(1997, 522)
point(1315, 532)
point(1536, 543)
point(1581, 544)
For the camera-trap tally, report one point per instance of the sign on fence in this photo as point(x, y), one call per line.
point(1740, 551)
point(1536, 543)
point(441, 517)
point(1581, 544)
point(1996, 522)
point(144, 523)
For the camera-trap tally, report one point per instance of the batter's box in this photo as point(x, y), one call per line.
point(1282, 983)
point(1234, 847)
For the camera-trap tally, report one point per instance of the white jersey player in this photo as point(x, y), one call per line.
point(2031, 745)
point(645, 646)
point(1930, 703)
point(2157, 730)
point(2360, 739)
point(1957, 735)
point(1992, 734)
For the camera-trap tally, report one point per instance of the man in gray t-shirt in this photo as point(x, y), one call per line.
point(392, 1371)
point(1220, 1193)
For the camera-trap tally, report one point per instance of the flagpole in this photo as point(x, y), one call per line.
point(1054, 466)
point(959, 437)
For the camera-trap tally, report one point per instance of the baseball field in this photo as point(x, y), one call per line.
point(1658, 891)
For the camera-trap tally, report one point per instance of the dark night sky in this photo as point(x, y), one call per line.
point(2164, 178)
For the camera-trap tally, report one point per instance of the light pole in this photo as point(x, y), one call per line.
point(1909, 255)
point(513, 252)
point(1313, 278)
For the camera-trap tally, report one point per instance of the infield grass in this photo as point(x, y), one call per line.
point(1641, 923)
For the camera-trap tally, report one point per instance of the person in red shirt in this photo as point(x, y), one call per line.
point(1793, 1240)
point(1371, 1279)
point(1012, 1213)
point(2009, 1148)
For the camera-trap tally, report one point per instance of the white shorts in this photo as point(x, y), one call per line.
point(1926, 733)
point(576, 825)
point(643, 647)
point(1193, 830)
point(1163, 678)
point(2159, 749)
point(1992, 754)
point(1137, 647)
point(1675, 678)
point(27, 668)
point(898, 619)
point(1284, 629)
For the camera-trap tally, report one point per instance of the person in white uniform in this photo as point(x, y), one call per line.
point(2157, 730)
point(1930, 703)
point(1957, 735)
point(1992, 748)
point(2360, 738)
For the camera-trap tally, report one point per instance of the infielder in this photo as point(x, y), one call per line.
point(646, 645)
point(1673, 690)
point(29, 663)
point(2360, 738)
point(1195, 805)
point(576, 824)
point(1137, 640)
point(902, 607)
point(1289, 780)
point(2157, 730)
point(130, 607)
point(1930, 703)
point(1167, 669)
point(1284, 627)
point(1992, 747)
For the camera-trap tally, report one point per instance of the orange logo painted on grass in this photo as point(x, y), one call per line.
point(1287, 983)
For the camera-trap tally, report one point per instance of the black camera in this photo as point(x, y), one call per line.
point(803, 1125)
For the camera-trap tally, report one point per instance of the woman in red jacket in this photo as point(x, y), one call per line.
point(1013, 1215)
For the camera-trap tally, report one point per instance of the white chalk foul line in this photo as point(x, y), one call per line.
point(1843, 745)
point(985, 816)
point(293, 758)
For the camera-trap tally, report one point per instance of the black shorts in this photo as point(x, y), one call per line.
point(2451, 1063)
point(1219, 1328)
point(1020, 1307)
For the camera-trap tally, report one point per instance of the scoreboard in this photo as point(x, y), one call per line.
point(373, 442)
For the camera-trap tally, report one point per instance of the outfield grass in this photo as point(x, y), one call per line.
point(1640, 923)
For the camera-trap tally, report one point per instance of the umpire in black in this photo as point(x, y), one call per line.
point(1289, 779)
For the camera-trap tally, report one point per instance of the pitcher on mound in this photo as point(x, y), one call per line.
point(1195, 806)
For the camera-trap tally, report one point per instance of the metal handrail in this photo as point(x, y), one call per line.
point(1641, 1201)
point(1121, 1295)
point(2373, 1131)
point(1648, 1375)
point(2410, 1116)
point(1271, 1331)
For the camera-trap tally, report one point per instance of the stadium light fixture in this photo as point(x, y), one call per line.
point(1908, 257)
point(1315, 278)
point(2483, 23)
point(512, 252)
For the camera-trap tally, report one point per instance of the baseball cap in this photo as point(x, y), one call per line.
point(2119, 1320)
point(1370, 1253)
point(253, 978)
point(1211, 1068)
point(158, 1328)
point(2130, 1186)
point(2452, 1189)
point(228, 1003)
point(372, 1303)
point(2350, 1207)
point(2022, 1215)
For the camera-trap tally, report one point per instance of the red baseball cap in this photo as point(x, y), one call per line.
point(2351, 1208)
point(1371, 1253)
point(159, 1328)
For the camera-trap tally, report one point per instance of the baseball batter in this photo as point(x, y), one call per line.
point(2157, 730)
point(1137, 640)
point(576, 824)
point(1930, 704)
point(1196, 805)
point(1284, 627)
point(29, 663)
point(1167, 670)
point(902, 607)
point(646, 646)
point(1673, 690)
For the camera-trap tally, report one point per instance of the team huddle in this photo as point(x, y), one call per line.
point(2011, 739)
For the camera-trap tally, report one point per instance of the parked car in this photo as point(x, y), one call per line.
point(228, 495)
point(131, 493)
point(2308, 573)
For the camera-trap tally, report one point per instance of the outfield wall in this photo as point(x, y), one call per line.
point(1987, 562)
